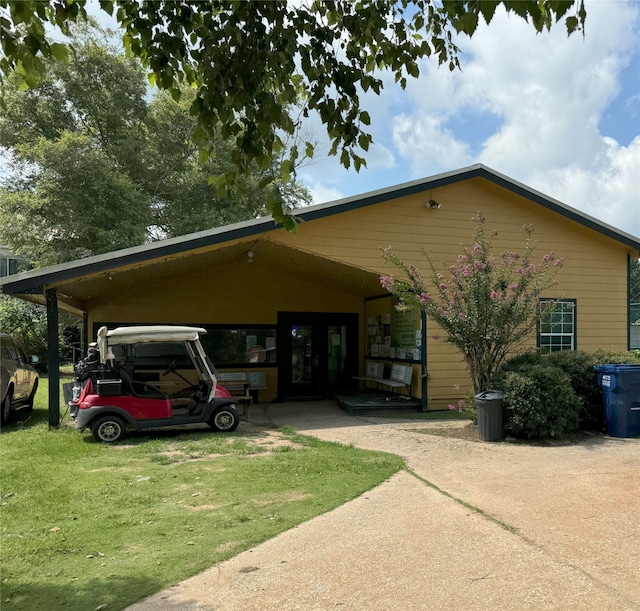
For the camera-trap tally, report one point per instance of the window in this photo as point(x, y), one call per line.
point(226, 345)
point(240, 346)
point(557, 329)
point(154, 355)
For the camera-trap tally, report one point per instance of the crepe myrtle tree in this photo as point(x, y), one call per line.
point(486, 305)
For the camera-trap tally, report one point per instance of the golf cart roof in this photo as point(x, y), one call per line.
point(153, 333)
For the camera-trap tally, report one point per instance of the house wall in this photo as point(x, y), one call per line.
point(594, 271)
point(242, 294)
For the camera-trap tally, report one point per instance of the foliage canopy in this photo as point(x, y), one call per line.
point(259, 68)
point(97, 167)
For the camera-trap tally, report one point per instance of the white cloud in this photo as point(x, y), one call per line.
point(545, 95)
point(426, 144)
point(320, 193)
point(610, 192)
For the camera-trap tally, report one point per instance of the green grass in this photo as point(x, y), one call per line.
point(86, 524)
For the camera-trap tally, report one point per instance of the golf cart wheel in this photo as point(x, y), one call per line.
point(107, 429)
point(224, 419)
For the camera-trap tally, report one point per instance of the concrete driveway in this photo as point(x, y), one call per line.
point(469, 525)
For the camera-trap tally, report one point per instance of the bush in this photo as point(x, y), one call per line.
point(578, 366)
point(539, 402)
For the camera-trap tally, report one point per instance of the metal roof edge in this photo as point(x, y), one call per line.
point(26, 281)
point(36, 279)
point(562, 208)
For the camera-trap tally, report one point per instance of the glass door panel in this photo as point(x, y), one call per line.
point(302, 354)
point(317, 353)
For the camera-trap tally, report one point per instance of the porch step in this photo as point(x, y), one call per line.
point(352, 403)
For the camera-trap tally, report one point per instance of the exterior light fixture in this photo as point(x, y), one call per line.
point(432, 203)
point(250, 255)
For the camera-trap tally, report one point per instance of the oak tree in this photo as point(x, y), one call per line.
point(259, 68)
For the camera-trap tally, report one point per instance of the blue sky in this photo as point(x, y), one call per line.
point(560, 114)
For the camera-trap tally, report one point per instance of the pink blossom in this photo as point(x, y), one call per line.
point(442, 286)
point(495, 295)
point(515, 286)
point(477, 249)
point(386, 282)
point(424, 297)
point(386, 251)
point(559, 263)
point(436, 337)
point(480, 266)
point(479, 218)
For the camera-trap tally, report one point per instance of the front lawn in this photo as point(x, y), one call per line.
point(86, 525)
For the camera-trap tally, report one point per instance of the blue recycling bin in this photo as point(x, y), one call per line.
point(620, 386)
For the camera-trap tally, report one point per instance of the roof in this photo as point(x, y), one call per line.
point(34, 281)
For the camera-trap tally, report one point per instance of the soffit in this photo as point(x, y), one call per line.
point(83, 292)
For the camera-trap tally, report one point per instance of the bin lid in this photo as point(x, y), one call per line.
point(490, 395)
point(617, 368)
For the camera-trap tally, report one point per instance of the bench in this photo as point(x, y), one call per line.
point(243, 387)
point(400, 377)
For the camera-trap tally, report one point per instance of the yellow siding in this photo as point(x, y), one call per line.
point(237, 294)
point(595, 272)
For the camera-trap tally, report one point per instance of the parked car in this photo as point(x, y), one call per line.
point(115, 392)
point(18, 378)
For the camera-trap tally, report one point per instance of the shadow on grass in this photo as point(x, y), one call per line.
point(108, 592)
point(21, 419)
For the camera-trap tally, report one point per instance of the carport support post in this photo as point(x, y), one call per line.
point(423, 360)
point(53, 357)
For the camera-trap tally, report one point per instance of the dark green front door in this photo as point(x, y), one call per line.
point(317, 354)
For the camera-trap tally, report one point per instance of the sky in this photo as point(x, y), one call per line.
point(559, 114)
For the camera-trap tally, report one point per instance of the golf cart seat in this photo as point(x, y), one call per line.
point(137, 388)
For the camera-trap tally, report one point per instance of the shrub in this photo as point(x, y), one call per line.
point(578, 366)
point(539, 402)
point(487, 305)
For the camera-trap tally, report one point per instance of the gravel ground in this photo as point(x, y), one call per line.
point(468, 525)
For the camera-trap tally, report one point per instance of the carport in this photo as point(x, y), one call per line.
point(248, 256)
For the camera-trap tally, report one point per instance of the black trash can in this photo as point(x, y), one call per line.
point(490, 415)
point(620, 386)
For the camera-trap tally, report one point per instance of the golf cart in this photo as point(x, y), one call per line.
point(121, 384)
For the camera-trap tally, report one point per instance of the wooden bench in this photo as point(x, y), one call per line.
point(400, 377)
point(241, 385)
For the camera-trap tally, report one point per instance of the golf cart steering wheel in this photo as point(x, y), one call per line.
point(172, 367)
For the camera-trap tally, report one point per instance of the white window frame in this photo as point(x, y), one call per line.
point(558, 328)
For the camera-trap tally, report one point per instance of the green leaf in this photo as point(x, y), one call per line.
point(309, 149)
point(60, 52)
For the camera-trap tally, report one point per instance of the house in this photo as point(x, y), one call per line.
point(306, 311)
